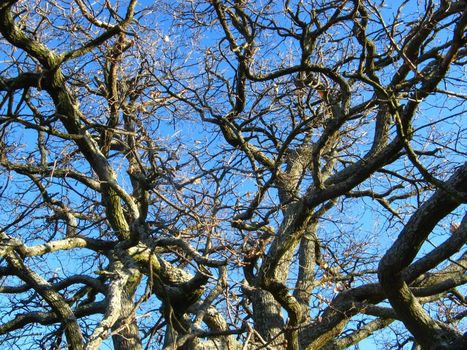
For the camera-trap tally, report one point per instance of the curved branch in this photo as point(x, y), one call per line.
point(58, 304)
point(48, 318)
point(425, 330)
point(65, 283)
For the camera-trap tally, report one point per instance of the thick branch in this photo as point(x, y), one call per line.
point(403, 251)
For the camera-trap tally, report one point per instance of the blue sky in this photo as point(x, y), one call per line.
point(365, 219)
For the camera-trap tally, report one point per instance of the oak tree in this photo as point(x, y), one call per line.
point(232, 174)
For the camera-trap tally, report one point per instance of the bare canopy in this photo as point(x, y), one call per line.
point(233, 174)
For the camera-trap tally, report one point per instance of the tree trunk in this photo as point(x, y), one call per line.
point(126, 328)
point(267, 316)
